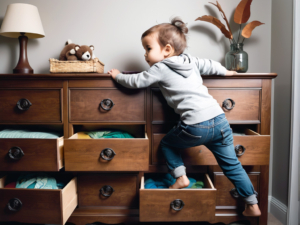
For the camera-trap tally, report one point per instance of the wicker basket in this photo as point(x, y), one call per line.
point(92, 66)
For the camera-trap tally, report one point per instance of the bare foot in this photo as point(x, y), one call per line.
point(252, 210)
point(181, 182)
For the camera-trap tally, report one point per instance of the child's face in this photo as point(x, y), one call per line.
point(154, 53)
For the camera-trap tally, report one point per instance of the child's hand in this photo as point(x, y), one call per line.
point(230, 73)
point(113, 73)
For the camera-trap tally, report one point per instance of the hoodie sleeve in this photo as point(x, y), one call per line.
point(140, 80)
point(210, 67)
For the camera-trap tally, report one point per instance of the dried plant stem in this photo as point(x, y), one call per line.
point(243, 40)
point(239, 32)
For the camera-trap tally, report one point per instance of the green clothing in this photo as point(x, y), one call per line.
point(108, 134)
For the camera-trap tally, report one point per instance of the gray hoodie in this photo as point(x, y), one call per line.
point(179, 79)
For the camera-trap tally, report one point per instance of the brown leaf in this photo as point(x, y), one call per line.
point(247, 31)
point(223, 16)
point(216, 22)
point(242, 12)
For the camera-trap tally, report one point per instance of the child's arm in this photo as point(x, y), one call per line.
point(138, 80)
point(210, 67)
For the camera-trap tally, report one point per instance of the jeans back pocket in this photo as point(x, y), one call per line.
point(187, 137)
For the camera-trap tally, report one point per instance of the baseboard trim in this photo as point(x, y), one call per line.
point(278, 209)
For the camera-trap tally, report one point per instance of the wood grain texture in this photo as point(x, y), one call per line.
point(40, 154)
point(155, 204)
point(124, 186)
point(257, 151)
point(46, 105)
point(85, 105)
point(84, 154)
point(232, 83)
point(266, 107)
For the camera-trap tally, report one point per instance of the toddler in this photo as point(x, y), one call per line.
point(202, 120)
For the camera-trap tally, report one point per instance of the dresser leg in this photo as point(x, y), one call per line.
point(263, 197)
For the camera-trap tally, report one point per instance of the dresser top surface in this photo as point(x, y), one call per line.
point(106, 76)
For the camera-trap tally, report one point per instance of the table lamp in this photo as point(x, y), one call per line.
point(22, 21)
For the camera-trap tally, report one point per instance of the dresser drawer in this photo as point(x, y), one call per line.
point(39, 205)
point(107, 105)
point(107, 190)
point(29, 106)
point(199, 204)
point(256, 150)
point(245, 110)
point(131, 154)
point(32, 154)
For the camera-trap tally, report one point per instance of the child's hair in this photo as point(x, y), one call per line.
point(170, 33)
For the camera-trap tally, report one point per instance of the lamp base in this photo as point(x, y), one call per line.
point(23, 64)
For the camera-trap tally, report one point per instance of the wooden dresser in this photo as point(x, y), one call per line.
point(107, 175)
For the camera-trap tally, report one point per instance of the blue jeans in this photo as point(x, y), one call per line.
point(216, 135)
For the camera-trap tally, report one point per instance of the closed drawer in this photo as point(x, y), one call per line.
point(199, 204)
point(28, 106)
point(245, 110)
point(107, 190)
point(107, 105)
point(130, 154)
point(20, 154)
point(256, 150)
point(38, 205)
point(224, 186)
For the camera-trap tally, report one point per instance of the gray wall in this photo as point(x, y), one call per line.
point(281, 62)
point(114, 27)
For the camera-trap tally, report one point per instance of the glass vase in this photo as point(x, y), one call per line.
point(237, 59)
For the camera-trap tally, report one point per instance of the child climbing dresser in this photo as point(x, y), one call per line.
point(106, 177)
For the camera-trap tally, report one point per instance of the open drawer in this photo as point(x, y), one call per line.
point(111, 154)
point(251, 149)
point(159, 205)
point(38, 205)
point(31, 154)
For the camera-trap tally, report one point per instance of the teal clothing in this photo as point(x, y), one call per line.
point(108, 134)
point(36, 181)
point(164, 181)
point(9, 133)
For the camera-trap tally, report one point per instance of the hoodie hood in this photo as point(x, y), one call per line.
point(182, 64)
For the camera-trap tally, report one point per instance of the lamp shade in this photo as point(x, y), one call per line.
point(25, 18)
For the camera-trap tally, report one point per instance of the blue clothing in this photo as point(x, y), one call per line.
point(216, 135)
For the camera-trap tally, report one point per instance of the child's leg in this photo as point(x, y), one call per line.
point(223, 149)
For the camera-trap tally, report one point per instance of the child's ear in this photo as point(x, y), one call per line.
point(168, 50)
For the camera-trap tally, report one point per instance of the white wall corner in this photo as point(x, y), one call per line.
point(278, 209)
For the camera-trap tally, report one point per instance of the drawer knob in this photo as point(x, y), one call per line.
point(177, 204)
point(107, 154)
point(106, 190)
point(15, 153)
point(106, 104)
point(14, 204)
point(235, 194)
point(239, 150)
point(228, 104)
point(23, 104)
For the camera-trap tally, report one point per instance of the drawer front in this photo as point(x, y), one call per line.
point(199, 204)
point(224, 186)
point(93, 190)
point(124, 105)
point(38, 205)
point(257, 151)
point(84, 154)
point(38, 154)
point(246, 105)
point(45, 105)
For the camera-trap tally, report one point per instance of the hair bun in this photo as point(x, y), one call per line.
point(176, 21)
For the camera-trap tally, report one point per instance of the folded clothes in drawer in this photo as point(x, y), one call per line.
point(103, 134)
point(10, 133)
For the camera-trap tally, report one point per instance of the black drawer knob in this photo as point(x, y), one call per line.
point(177, 205)
point(14, 204)
point(106, 104)
point(228, 104)
point(106, 191)
point(24, 104)
point(107, 154)
point(239, 150)
point(235, 194)
point(15, 153)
